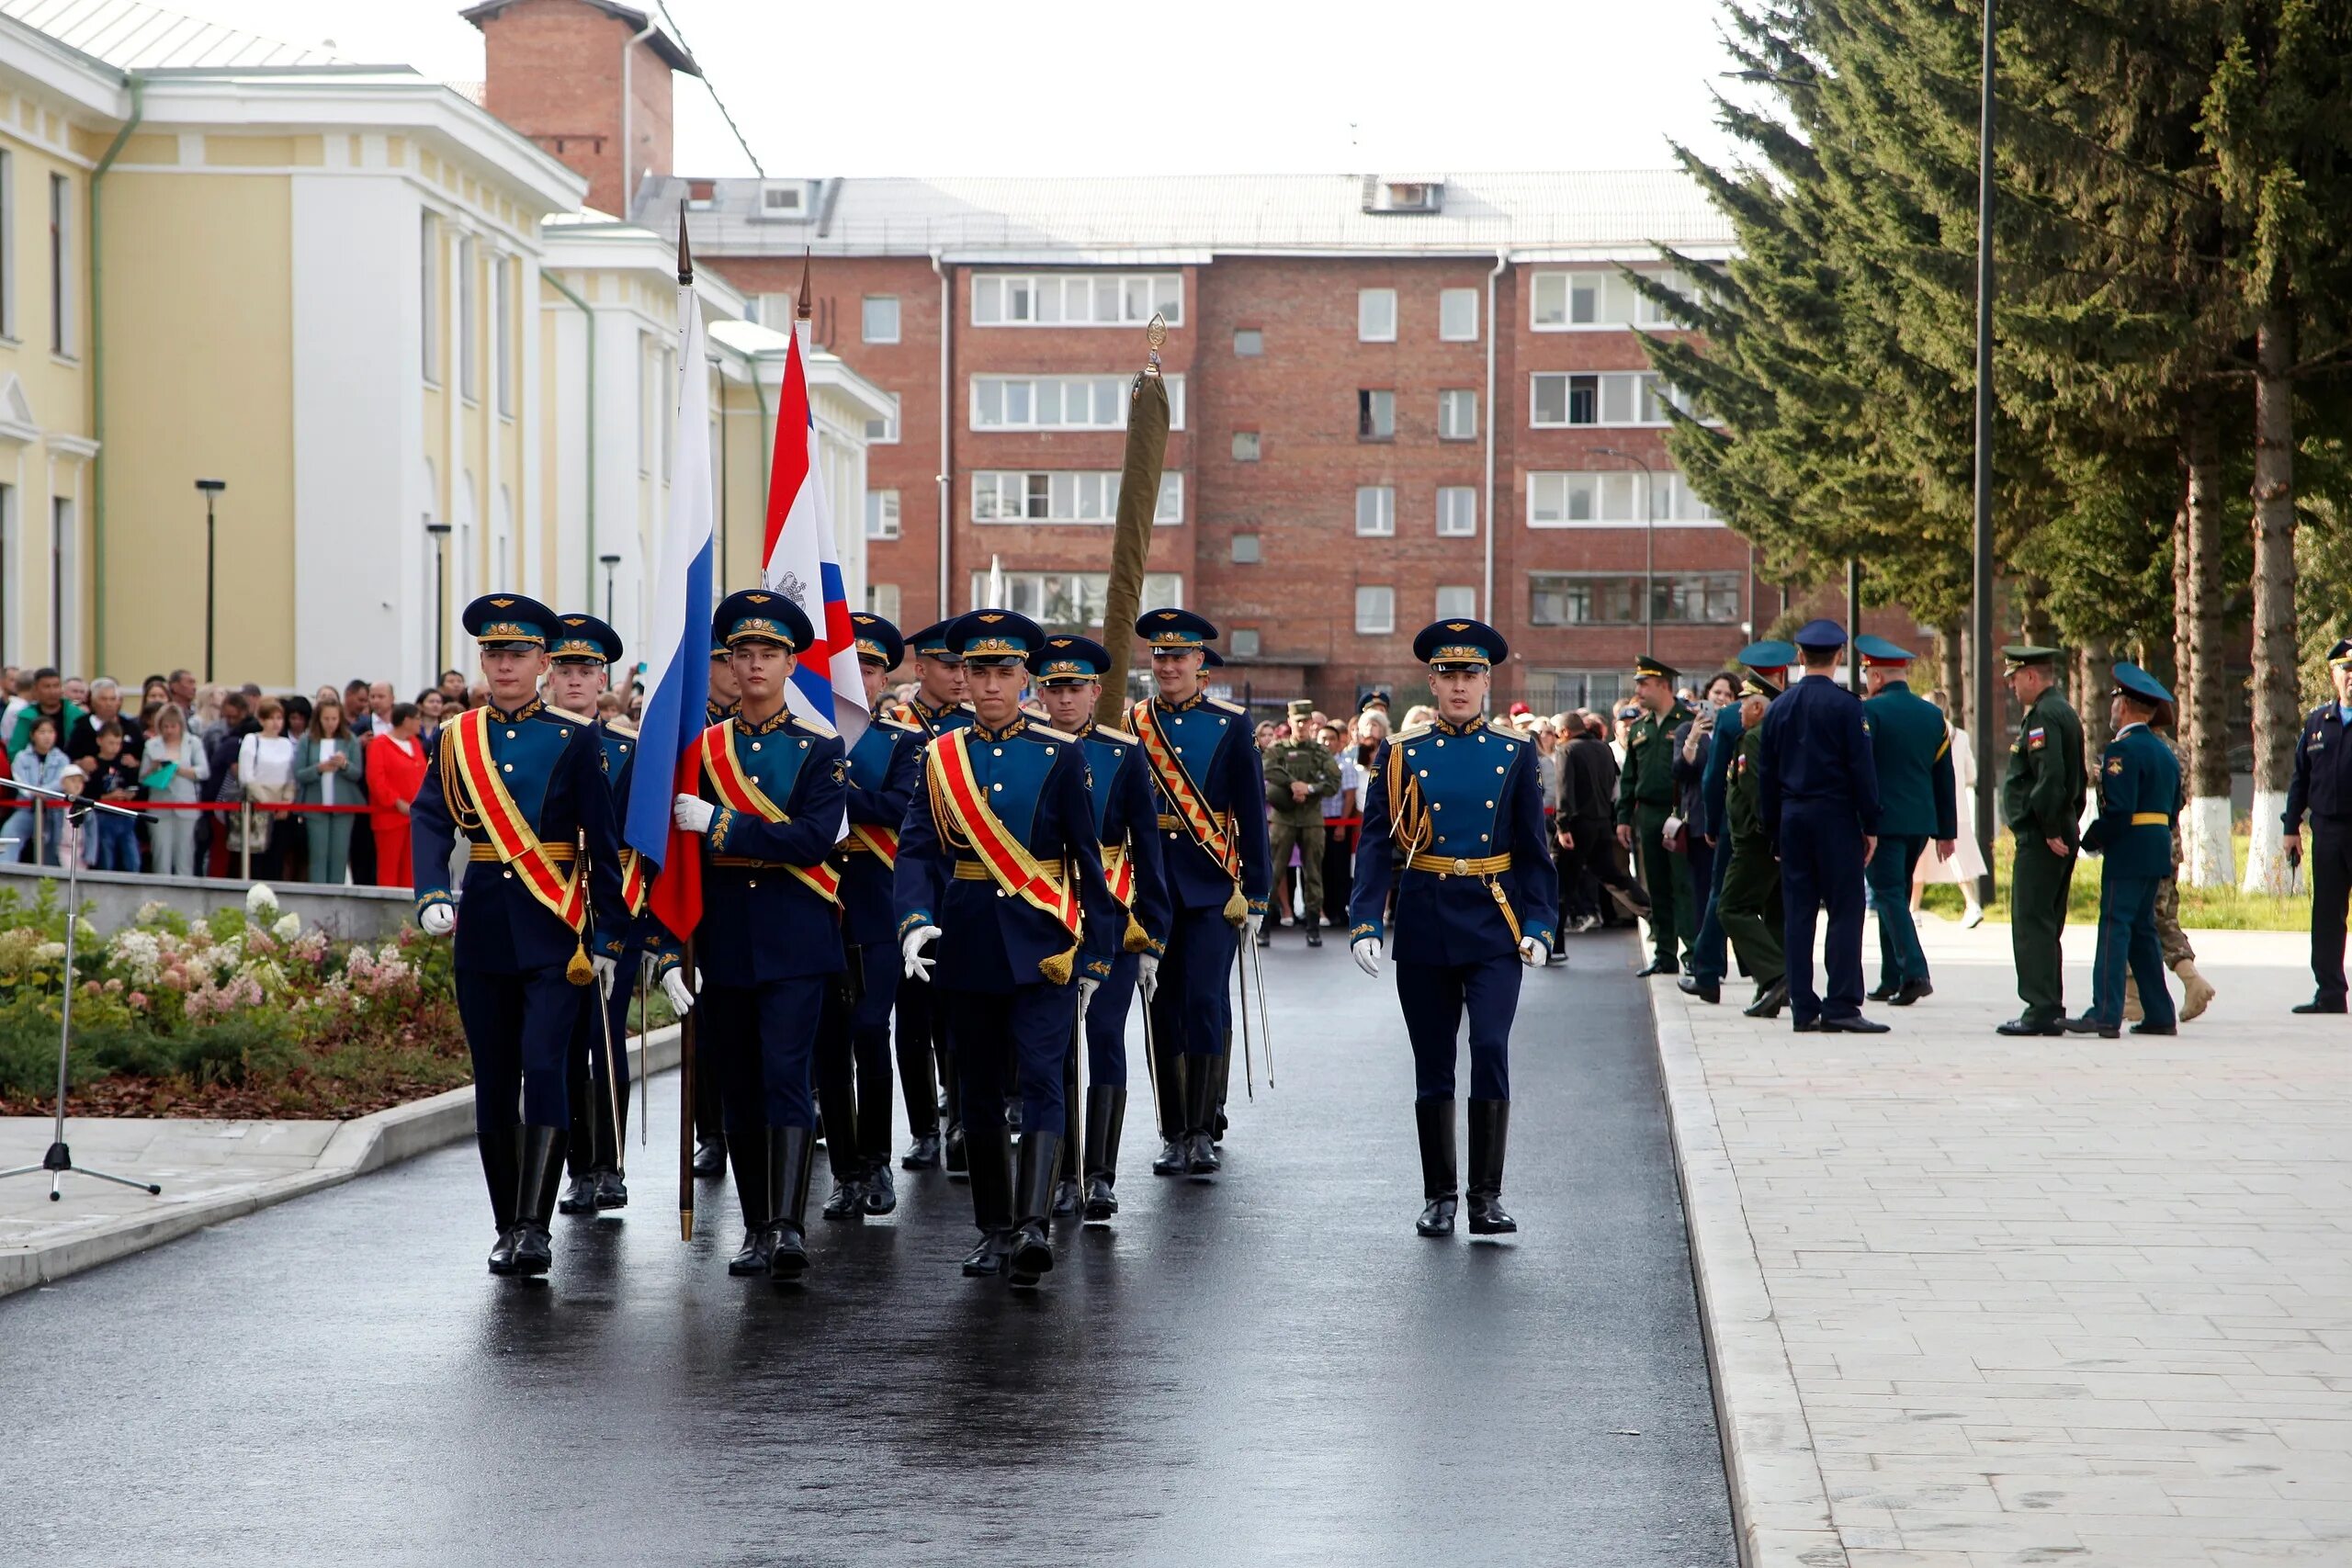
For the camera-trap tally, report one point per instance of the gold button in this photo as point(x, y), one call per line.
point(1461, 868)
point(510, 735)
point(997, 751)
point(755, 745)
point(510, 767)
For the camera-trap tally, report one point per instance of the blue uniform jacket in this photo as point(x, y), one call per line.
point(1212, 739)
point(1034, 779)
point(551, 765)
point(883, 767)
point(1127, 816)
point(1912, 747)
point(2139, 801)
point(1714, 784)
point(934, 721)
point(617, 749)
point(2322, 781)
point(758, 921)
point(1484, 800)
point(1816, 754)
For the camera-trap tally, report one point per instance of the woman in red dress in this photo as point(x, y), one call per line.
point(396, 762)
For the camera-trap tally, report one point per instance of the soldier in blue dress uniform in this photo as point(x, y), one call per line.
point(1818, 789)
point(1068, 670)
point(2139, 804)
point(2323, 788)
point(1213, 844)
point(854, 1053)
point(999, 865)
point(1463, 804)
point(924, 1038)
point(769, 809)
point(711, 1122)
point(525, 789)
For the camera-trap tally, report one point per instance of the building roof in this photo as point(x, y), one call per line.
point(1173, 218)
point(672, 52)
point(131, 35)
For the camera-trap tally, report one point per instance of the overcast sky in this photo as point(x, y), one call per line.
point(1095, 87)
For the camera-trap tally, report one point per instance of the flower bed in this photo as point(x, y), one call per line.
point(243, 1015)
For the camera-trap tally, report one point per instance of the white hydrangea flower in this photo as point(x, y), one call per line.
point(288, 927)
point(260, 903)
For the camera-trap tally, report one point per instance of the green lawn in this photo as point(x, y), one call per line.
point(2205, 908)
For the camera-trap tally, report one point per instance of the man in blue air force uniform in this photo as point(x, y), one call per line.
point(2322, 787)
point(1463, 804)
point(854, 1053)
point(999, 865)
point(1213, 843)
point(2139, 802)
point(769, 805)
point(710, 1123)
point(525, 789)
point(1069, 673)
point(925, 1040)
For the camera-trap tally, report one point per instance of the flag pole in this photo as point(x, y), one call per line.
point(686, 1030)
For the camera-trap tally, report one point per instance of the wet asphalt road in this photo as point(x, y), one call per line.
point(1271, 1369)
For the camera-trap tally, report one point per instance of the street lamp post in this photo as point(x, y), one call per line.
point(439, 532)
point(612, 567)
point(1980, 706)
point(210, 488)
point(1649, 545)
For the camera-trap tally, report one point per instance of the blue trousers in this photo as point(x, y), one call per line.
point(1193, 1009)
point(1821, 869)
point(519, 1029)
point(2127, 938)
point(1900, 957)
point(761, 1041)
point(1013, 1042)
point(596, 1139)
point(1106, 1025)
point(1434, 996)
point(854, 1069)
point(1709, 961)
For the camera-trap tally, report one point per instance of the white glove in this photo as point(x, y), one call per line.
point(1087, 985)
point(1532, 952)
point(681, 995)
point(1249, 927)
point(1148, 976)
point(918, 966)
point(1366, 950)
point(604, 968)
point(693, 813)
point(439, 919)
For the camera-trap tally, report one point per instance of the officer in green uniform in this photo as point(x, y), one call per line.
point(1645, 791)
point(1911, 749)
point(2139, 801)
point(1749, 908)
point(1300, 775)
point(2041, 802)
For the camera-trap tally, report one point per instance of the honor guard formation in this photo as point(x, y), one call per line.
point(998, 876)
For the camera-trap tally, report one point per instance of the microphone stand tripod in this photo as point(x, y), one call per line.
point(59, 1161)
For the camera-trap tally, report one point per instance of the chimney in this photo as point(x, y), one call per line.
point(564, 73)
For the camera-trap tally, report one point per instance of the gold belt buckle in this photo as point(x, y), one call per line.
point(1460, 867)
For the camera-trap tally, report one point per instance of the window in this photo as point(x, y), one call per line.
point(1617, 398)
point(1249, 343)
point(1375, 416)
point(1457, 416)
point(1457, 602)
point(1376, 511)
point(1556, 690)
point(1064, 496)
point(1457, 315)
point(1613, 498)
point(1375, 612)
point(1073, 601)
point(429, 270)
point(1244, 642)
point(1245, 549)
point(1581, 301)
point(1375, 315)
point(884, 432)
point(1457, 512)
point(878, 321)
point(1062, 402)
point(882, 599)
point(502, 326)
point(61, 265)
point(882, 514)
point(1245, 445)
point(469, 324)
point(1076, 299)
point(1598, 599)
point(7, 245)
point(63, 592)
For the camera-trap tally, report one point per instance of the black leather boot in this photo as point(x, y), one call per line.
point(1224, 1083)
point(612, 1192)
point(1313, 931)
point(1489, 1131)
point(710, 1157)
point(1106, 1114)
point(579, 1196)
point(1434, 1119)
point(1033, 1249)
point(1065, 1189)
point(1172, 1081)
point(881, 1191)
point(498, 1170)
point(992, 1161)
point(847, 1200)
point(923, 1103)
point(539, 1178)
point(790, 1149)
point(751, 1155)
point(1200, 1117)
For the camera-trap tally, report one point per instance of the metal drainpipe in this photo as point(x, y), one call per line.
point(946, 424)
point(1486, 599)
point(588, 322)
point(99, 383)
point(628, 154)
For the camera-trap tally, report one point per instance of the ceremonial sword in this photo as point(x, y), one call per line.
point(1258, 971)
point(604, 1024)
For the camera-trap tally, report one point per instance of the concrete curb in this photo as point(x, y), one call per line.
point(358, 1147)
point(1780, 1503)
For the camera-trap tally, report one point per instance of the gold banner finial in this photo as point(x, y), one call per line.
point(1155, 334)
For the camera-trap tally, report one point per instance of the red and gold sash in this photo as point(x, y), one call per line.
point(883, 841)
point(466, 745)
point(636, 885)
point(1119, 871)
point(1008, 862)
point(739, 794)
point(1204, 827)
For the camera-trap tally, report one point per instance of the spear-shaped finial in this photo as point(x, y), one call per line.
point(801, 310)
point(686, 256)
